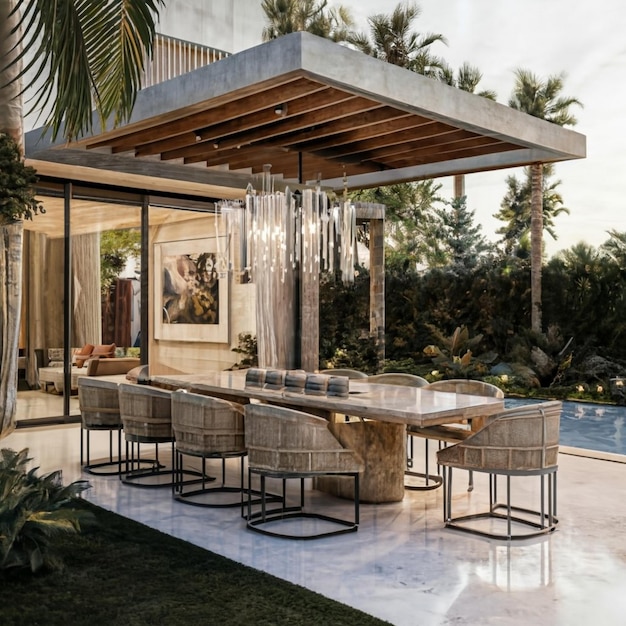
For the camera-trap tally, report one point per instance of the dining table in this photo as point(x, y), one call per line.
point(379, 416)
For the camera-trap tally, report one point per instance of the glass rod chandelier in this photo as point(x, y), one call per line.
point(272, 236)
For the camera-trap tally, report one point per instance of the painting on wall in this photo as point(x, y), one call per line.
point(190, 292)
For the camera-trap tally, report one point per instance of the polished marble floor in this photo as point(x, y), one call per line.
point(38, 405)
point(403, 565)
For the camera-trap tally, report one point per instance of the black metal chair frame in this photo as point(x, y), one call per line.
point(447, 434)
point(134, 473)
point(186, 497)
point(260, 521)
point(542, 522)
point(99, 468)
point(431, 481)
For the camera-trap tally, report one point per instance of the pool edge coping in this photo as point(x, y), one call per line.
point(592, 454)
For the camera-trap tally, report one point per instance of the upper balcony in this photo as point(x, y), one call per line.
point(173, 57)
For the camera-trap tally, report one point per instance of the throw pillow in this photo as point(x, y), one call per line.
point(55, 354)
point(104, 351)
point(83, 354)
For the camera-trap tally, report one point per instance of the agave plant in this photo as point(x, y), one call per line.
point(33, 510)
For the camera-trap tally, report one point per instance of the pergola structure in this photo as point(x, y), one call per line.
point(316, 111)
point(319, 113)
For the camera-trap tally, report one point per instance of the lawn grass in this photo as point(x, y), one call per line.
point(118, 571)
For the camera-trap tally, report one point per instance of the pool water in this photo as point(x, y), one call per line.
point(590, 426)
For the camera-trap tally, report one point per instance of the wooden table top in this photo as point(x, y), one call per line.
point(416, 406)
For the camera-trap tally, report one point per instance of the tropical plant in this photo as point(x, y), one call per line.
point(392, 40)
point(584, 312)
point(17, 180)
point(585, 295)
point(615, 247)
point(17, 202)
point(116, 247)
point(83, 56)
point(453, 355)
point(345, 339)
point(33, 510)
point(515, 208)
point(313, 16)
point(409, 226)
point(247, 347)
point(540, 98)
point(466, 79)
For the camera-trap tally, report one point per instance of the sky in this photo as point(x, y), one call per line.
point(584, 40)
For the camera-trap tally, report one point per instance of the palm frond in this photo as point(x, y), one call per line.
point(540, 98)
point(88, 56)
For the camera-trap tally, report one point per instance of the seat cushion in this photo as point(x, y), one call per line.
point(111, 366)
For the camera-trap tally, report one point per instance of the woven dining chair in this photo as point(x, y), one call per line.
point(146, 413)
point(518, 442)
point(147, 418)
point(98, 400)
point(448, 433)
point(208, 428)
point(345, 371)
point(286, 444)
point(397, 378)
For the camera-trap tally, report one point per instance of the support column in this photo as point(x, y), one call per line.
point(145, 282)
point(377, 286)
point(67, 301)
point(310, 321)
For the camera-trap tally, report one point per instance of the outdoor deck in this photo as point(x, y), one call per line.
point(403, 565)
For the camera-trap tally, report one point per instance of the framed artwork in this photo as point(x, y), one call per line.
point(190, 293)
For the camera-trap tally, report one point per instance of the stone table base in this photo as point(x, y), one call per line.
point(382, 447)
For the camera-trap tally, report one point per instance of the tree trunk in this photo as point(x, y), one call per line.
point(11, 123)
point(459, 185)
point(10, 299)
point(34, 306)
point(536, 244)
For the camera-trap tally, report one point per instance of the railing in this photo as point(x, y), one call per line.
point(173, 57)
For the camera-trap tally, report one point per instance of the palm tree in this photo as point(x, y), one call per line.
point(85, 55)
point(539, 98)
point(615, 247)
point(515, 208)
point(467, 79)
point(410, 237)
point(409, 227)
point(391, 39)
point(313, 16)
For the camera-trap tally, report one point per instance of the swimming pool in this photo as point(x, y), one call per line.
point(590, 426)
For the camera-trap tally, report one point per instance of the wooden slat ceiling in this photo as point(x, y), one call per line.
point(325, 131)
point(314, 111)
